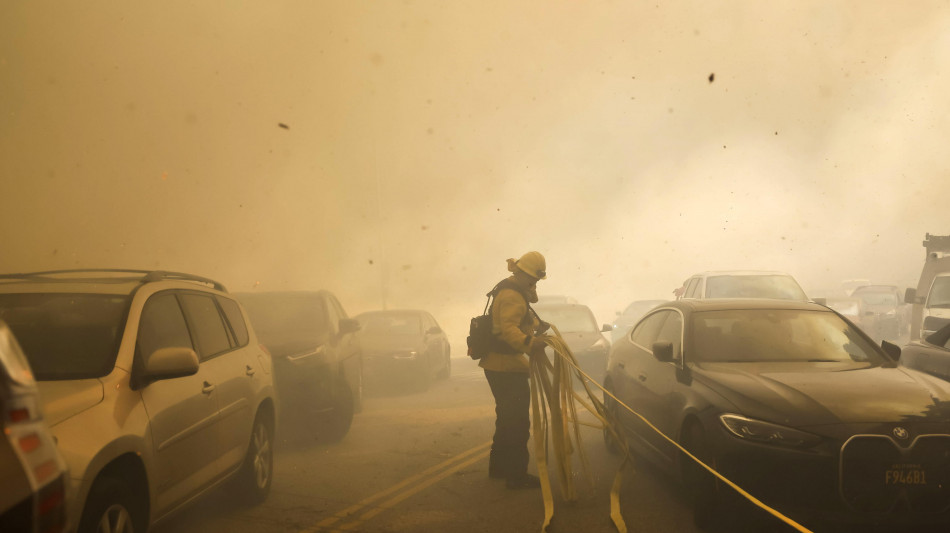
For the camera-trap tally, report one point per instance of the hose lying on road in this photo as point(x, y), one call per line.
point(552, 388)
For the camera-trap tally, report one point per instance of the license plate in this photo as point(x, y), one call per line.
point(905, 474)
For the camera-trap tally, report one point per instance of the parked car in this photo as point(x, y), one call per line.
point(885, 315)
point(930, 355)
point(153, 384)
point(742, 284)
point(630, 316)
point(318, 365)
point(930, 300)
point(790, 402)
point(33, 471)
point(404, 346)
point(577, 325)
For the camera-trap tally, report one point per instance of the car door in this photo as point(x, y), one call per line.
point(183, 412)
point(632, 358)
point(228, 373)
point(347, 348)
point(433, 341)
point(657, 379)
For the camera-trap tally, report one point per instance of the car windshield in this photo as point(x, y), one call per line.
point(66, 336)
point(848, 307)
point(389, 324)
point(287, 322)
point(877, 297)
point(940, 293)
point(569, 318)
point(754, 286)
point(766, 335)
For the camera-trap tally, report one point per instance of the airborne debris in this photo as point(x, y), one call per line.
point(712, 77)
point(282, 125)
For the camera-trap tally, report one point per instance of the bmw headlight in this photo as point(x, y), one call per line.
point(767, 433)
point(406, 355)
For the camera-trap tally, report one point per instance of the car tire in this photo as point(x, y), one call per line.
point(257, 471)
point(610, 441)
point(707, 513)
point(446, 370)
point(112, 507)
point(340, 418)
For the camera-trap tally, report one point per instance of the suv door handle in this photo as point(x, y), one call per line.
point(208, 387)
point(249, 371)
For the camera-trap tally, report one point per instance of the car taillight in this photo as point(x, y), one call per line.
point(19, 415)
point(51, 511)
point(30, 443)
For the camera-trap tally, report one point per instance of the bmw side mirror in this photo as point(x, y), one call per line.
point(605, 328)
point(663, 351)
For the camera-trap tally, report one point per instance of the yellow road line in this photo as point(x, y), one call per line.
point(392, 502)
point(353, 509)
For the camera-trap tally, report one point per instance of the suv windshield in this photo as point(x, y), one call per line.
point(754, 286)
point(877, 298)
point(390, 324)
point(940, 293)
point(569, 318)
point(66, 336)
point(288, 322)
point(742, 336)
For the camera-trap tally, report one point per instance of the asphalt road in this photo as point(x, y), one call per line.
point(417, 461)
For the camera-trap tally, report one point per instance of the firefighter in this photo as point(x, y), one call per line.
point(516, 329)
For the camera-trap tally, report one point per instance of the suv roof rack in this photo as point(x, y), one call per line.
point(937, 246)
point(146, 276)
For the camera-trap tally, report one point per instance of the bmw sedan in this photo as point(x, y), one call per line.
point(789, 401)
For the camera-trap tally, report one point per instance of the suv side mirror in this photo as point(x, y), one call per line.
point(606, 327)
point(348, 325)
point(663, 351)
point(434, 330)
point(820, 301)
point(910, 296)
point(892, 350)
point(170, 363)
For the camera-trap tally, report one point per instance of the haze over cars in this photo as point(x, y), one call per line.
point(580, 331)
point(742, 284)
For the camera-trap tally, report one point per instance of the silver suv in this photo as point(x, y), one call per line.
point(153, 384)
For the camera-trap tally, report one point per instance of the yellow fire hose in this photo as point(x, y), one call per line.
point(552, 389)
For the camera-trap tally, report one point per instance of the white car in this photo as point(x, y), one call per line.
point(742, 284)
point(153, 384)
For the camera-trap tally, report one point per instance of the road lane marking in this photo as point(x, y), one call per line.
point(395, 500)
point(355, 508)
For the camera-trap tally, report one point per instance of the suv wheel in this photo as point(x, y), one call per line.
point(447, 368)
point(257, 472)
point(340, 417)
point(112, 508)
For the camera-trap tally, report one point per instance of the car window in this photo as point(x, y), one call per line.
point(207, 326)
point(692, 289)
point(66, 336)
point(645, 333)
point(754, 286)
point(939, 293)
point(288, 322)
point(391, 324)
point(333, 315)
point(233, 313)
point(569, 318)
point(162, 325)
point(672, 331)
point(766, 335)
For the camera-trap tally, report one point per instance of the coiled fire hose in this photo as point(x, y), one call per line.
point(552, 389)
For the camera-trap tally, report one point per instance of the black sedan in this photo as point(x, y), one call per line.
point(792, 403)
point(930, 355)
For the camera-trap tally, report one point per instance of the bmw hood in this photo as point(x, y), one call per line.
point(63, 399)
point(841, 393)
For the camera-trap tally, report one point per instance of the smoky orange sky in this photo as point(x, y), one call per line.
point(424, 142)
